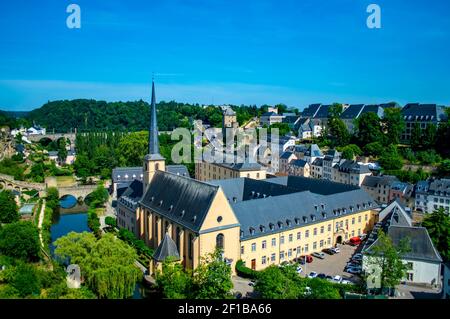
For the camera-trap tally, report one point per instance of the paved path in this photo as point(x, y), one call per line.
point(41, 220)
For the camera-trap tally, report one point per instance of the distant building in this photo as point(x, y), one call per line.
point(350, 172)
point(353, 112)
point(423, 115)
point(270, 118)
point(299, 167)
point(317, 168)
point(310, 128)
point(127, 205)
point(403, 192)
point(379, 187)
point(36, 130)
point(330, 159)
point(211, 171)
point(423, 260)
point(432, 194)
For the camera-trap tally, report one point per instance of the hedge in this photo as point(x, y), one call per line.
point(244, 271)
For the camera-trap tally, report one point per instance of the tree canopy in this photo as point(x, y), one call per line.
point(438, 226)
point(107, 264)
point(9, 212)
point(20, 240)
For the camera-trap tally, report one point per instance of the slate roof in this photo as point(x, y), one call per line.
point(311, 110)
point(229, 112)
point(273, 215)
point(424, 112)
point(374, 181)
point(178, 170)
point(183, 200)
point(127, 174)
point(397, 224)
point(269, 114)
point(314, 151)
point(317, 186)
point(131, 196)
point(323, 112)
point(241, 167)
point(352, 112)
point(318, 162)
point(167, 248)
point(349, 166)
point(440, 187)
point(286, 155)
point(421, 245)
point(298, 163)
point(374, 109)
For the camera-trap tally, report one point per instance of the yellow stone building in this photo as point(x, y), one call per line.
point(211, 171)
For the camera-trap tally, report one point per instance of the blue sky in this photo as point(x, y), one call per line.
point(225, 51)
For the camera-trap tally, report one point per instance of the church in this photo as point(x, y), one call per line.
point(259, 221)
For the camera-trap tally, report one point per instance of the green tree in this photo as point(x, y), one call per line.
point(9, 212)
point(132, 149)
point(374, 149)
point(25, 280)
point(283, 128)
point(322, 289)
point(416, 136)
point(212, 278)
point(438, 226)
point(350, 151)
point(394, 124)
point(174, 281)
point(386, 259)
point(52, 199)
point(368, 129)
point(107, 264)
point(272, 283)
point(20, 240)
point(338, 132)
point(62, 151)
point(444, 168)
point(110, 221)
point(429, 137)
point(391, 159)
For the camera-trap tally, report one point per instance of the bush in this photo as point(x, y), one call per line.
point(20, 240)
point(110, 221)
point(428, 157)
point(244, 271)
point(374, 149)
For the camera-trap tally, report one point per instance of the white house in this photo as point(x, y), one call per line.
point(423, 260)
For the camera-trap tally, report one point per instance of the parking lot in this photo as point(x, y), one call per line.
point(333, 264)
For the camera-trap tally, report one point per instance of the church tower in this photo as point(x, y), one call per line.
point(153, 161)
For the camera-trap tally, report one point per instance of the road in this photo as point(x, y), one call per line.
point(41, 220)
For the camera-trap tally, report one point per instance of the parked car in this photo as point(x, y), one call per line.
point(329, 278)
point(328, 251)
point(357, 257)
point(322, 276)
point(312, 274)
point(252, 283)
point(319, 255)
point(336, 250)
point(346, 282)
point(337, 279)
point(352, 265)
point(299, 270)
point(353, 270)
point(354, 241)
point(363, 237)
point(308, 259)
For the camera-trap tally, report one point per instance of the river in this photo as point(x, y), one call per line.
point(76, 221)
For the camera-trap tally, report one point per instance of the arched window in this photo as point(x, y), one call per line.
point(166, 228)
point(178, 239)
point(156, 166)
point(220, 241)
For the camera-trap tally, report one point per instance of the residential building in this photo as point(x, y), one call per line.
point(379, 187)
point(403, 192)
point(354, 111)
point(432, 194)
point(350, 172)
point(309, 128)
point(127, 205)
point(423, 115)
point(423, 260)
point(206, 171)
point(285, 159)
point(270, 118)
point(317, 168)
point(299, 167)
point(329, 161)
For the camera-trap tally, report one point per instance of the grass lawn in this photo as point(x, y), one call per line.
point(65, 181)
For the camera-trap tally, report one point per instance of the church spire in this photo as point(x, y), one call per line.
point(153, 144)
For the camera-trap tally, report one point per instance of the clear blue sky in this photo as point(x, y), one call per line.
point(295, 52)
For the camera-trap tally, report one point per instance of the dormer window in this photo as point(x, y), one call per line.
point(160, 203)
point(297, 221)
point(170, 208)
point(280, 224)
point(262, 228)
point(313, 217)
point(252, 231)
point(271, 226)
point(324, 215)
point(194, 218)
point(316, 207)
point(305, 219)
point(288, 222)
point(323, 206)
point(242, 233)
point(182, 213)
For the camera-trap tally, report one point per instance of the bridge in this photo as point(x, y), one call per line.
point(53, 137)
point(79, 191)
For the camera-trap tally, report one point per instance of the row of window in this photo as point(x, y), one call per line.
point(282, 238)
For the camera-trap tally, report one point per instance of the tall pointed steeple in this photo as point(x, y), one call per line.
point(153, 143)
point(153, 161)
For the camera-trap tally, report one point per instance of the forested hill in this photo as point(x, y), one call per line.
point(90, 115)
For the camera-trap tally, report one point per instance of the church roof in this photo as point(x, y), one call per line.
point(167, 248)
point(181, 199)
